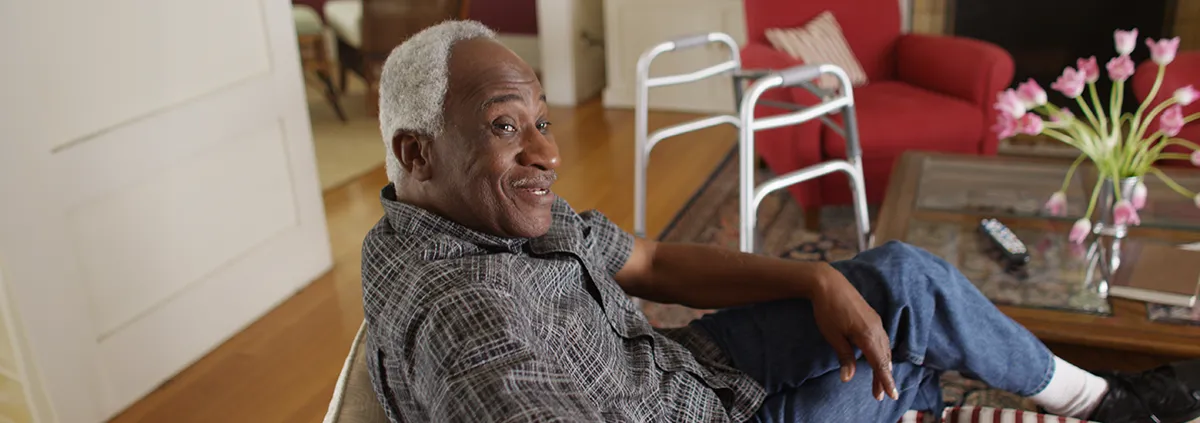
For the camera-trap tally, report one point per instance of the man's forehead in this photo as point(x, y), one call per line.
point(482, 69)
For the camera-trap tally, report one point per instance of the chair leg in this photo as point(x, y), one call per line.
point(343, 83)
point(812, 219)
point(332, 95)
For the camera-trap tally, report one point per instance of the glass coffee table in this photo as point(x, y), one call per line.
point(936, 201)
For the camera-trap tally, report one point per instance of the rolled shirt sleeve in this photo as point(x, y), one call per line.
point(614, 244)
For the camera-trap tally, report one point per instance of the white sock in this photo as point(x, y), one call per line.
point(1072, 392)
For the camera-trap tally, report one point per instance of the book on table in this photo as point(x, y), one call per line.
point(1157, 273)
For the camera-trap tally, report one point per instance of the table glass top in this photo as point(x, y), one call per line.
point(1020, 189)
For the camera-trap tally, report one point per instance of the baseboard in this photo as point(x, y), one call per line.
point(526, 46)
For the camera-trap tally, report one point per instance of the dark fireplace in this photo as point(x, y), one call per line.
point(1045, 36)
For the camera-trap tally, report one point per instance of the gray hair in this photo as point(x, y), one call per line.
point(413, 83)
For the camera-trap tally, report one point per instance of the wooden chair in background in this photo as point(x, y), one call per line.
point(314, 55)
point(368, 30)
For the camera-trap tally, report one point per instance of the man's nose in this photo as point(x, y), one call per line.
point(540, 151)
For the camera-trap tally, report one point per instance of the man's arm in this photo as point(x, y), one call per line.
point(708, 277)
point(474, 362)
point(703, 276)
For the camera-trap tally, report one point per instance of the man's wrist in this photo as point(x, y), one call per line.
point(821, 277)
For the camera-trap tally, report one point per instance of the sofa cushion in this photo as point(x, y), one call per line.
point(820, 41)
point(345, 17)
point(894, 117)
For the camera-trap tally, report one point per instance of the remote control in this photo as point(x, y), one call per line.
point(1010, 246)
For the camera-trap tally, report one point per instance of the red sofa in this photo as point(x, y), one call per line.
point(1184, 71)
point(924, 93)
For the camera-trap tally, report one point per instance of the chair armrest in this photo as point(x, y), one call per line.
point(968, 69)
point(762, 56)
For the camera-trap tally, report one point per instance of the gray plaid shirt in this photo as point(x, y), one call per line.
point(469, 327)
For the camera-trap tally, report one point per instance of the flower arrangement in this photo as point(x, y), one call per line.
point(1116, 143)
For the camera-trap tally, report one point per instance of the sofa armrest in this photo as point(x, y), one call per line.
point(972, 70)
point(968, 69)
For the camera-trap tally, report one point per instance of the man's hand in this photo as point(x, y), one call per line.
point(847, 321)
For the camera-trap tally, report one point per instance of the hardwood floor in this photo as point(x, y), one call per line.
point(282, 367)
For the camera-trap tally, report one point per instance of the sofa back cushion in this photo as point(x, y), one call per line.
point(871, 27)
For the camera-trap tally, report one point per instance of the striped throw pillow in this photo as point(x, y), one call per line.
point(820, 41)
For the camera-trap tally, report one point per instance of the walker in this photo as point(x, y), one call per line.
point(750, 194)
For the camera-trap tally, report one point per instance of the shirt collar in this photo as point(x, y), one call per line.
point(409, 219)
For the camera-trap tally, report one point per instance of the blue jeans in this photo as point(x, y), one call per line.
point(936, 321)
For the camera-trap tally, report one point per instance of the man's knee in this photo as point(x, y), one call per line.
point(903, 263)
point(899, 252)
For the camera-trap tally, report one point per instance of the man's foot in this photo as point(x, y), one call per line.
point(1168, 394)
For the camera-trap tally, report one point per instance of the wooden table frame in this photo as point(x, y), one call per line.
point(1127, 331)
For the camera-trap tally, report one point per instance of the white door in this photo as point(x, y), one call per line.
point(158, 190)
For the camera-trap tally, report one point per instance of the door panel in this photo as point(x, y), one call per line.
point(115, 72)
point(141, 244)
point(158, 189)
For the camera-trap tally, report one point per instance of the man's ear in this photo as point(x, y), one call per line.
point(413, 150)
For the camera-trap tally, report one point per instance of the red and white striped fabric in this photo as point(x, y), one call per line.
point(972, 414)
point(820, 41)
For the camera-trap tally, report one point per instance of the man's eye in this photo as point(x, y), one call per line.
point(542, 126)
point(505, 127)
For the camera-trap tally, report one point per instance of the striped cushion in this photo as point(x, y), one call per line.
point(820, 41)
point(973, 414)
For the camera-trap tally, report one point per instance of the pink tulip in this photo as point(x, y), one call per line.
point(1125, 214)
point(1079, 231)
point(1006, 126)
point(1186, 95)
point(1057, 205)
point(1030, 124)
point(1120, 68)
point(1138, 196)
point(1171, 121)
point(1008, 102)
point(1089, 68)
point(1125, 41)
point(1163, 51)
point(1196, 158)
point(1031, 94)
point(1070, 83)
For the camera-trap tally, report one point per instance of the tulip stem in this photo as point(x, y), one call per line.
point(1171, 183)
point(1175, 156)
point(1099, 108)
point(1092, 204)
point(1071, 171)
point(1137, 117)
point(1118, 94)
point(1059, 136)
point(1191, 117)
point(1087, 111)
point(1150, 117)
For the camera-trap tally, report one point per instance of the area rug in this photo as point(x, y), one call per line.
point(344, 150)
point(711, 217)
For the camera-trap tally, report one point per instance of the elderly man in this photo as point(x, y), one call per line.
point(489, 299)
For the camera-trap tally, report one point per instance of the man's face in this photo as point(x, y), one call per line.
point(494, 163)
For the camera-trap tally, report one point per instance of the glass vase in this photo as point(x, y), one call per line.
point(1105, 251)
point(1106, 225)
